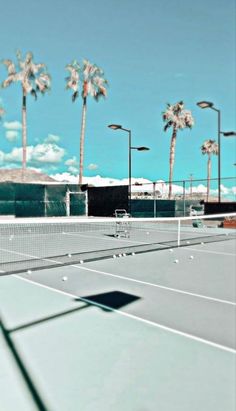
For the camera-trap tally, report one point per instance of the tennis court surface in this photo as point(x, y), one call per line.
point(118, 314)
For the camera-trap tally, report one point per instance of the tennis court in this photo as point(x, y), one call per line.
point(118, 314)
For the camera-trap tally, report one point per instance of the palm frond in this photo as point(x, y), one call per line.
point(10, 66)
point(34, 94)
point(74, 96)
point(43, 83)
point(32, 76)
point(210, 147)
point(91, 77)
point(35, 68)
point(72, 81)
point(18, 55)
point(167, 125)
point(178, 117)
point(8, 81)
point(73, 66)
point(29, 57)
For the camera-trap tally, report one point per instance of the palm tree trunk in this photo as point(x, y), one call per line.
point(172, 159)
point(208, 176)
point(24, 132)
point(82, 134)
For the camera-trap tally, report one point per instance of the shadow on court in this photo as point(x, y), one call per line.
point(108, 302)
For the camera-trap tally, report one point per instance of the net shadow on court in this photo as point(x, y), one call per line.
point(42, 263)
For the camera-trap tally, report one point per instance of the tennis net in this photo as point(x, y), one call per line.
point(35, 244)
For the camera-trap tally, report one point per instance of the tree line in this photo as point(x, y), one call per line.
point(89, 78)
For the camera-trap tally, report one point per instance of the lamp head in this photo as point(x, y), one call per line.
point(115, 126)
point(205, 104)
point(228, 133)
point(140, 148)
point(143, 148)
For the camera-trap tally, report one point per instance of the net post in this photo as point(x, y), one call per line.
point(178, 239)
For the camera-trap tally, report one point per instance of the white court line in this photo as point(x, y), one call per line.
point(107, 239)
point(211, 252)
point(140, 230)
point(175, 290)
point(29, 255)
point(134, 317)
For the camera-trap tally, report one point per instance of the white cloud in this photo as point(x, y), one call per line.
point(51, 138)
point(71, 162)
point(12, 128)
point(73, 165)
point(224, 190)
point(199, 189)
point(11, 135)
point(92, 166)
point(97, 180)
point(41, 153)
point(12, 125)
point(73, 170)
point(45, 153)
point(143, 185)
point(15, 156)
point(65, 177)
point(2, 154)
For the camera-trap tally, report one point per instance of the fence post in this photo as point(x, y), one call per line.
point(154, 200)
point(184, 195)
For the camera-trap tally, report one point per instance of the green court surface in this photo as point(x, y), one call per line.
point(147, 332)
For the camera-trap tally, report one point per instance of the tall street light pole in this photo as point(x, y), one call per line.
point(208, 104)
point(119, 127)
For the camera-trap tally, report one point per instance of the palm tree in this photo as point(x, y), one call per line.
point(176, 117)
point(93, 84)
point(33, 78)
point(209, 147)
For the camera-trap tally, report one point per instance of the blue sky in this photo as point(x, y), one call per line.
point(152, 52)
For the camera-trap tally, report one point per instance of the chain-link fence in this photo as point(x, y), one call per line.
point(191, 189)
point(186, 193)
